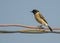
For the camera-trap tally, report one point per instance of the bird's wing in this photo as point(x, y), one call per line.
point(43, 18)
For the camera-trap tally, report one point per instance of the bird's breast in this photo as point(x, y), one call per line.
point(39, 19)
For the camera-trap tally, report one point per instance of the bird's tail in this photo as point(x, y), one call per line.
point(50, 28)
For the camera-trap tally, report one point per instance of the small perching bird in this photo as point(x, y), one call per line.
point(38, 16)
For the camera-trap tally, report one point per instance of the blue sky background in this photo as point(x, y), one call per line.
point(18, 12)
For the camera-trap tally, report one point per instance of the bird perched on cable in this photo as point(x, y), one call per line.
point(38, 16)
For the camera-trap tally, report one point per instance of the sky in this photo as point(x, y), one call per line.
point(18, 12)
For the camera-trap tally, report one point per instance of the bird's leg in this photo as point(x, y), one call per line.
point(41, 27)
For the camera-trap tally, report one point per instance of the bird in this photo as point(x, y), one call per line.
point(40, 18)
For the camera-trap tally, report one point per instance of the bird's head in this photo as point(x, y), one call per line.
point(34, 11)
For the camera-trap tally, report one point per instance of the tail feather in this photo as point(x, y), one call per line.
point(50, 28)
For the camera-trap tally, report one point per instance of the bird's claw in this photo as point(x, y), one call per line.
point(40, 27)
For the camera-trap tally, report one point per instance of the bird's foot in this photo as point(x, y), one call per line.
point(41, 27)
